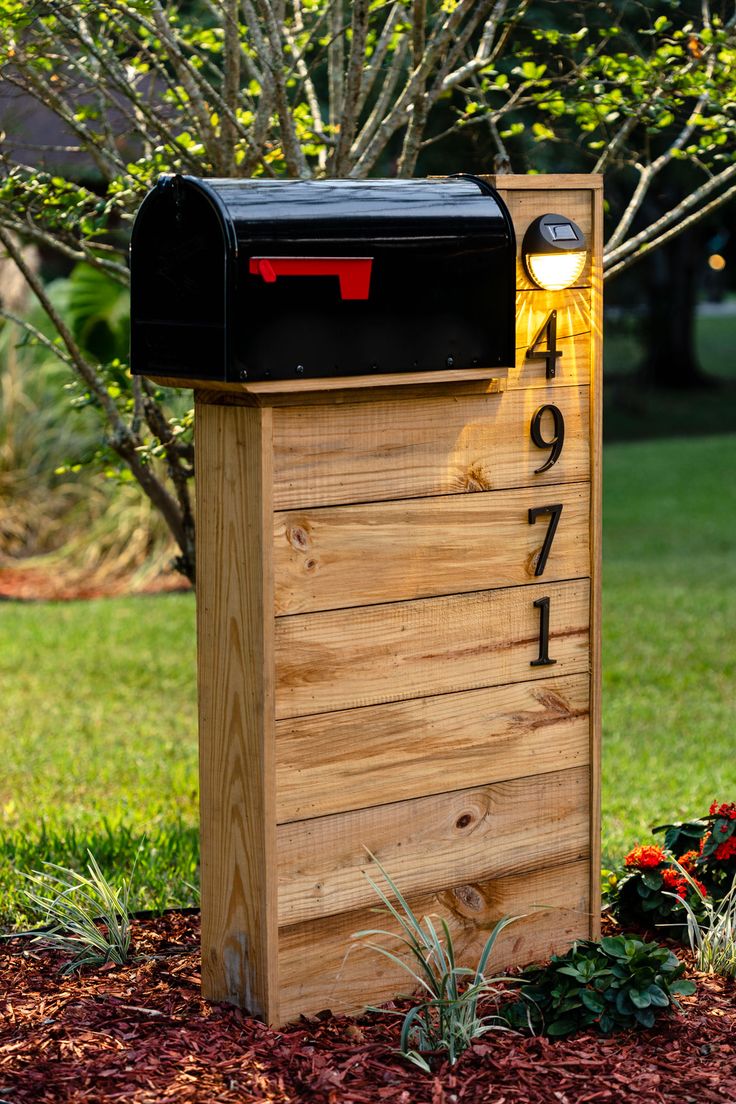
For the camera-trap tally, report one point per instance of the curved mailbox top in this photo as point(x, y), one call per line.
point(257, 279)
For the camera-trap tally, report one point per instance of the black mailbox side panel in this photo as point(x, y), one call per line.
point(182, 264)
point(329, 278)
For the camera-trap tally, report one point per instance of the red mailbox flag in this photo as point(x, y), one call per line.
point(354, 273)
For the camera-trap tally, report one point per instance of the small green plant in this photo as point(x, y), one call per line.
point(86, 916)
point(612, 984)
point(712, 933)
point(447, 1019)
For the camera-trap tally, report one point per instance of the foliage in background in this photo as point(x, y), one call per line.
point(323, 87)
point(620, 982)
point(84, 532)
point(86, 916)
point(446, 1019)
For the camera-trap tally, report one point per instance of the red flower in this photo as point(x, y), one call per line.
point(726, 809)
point(645, 857)
point(726, 850)
point(675, 881)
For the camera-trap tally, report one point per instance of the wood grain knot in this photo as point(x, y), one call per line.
point(464, 820)
point(298, 538)
point(469, 897)
point(475, 479)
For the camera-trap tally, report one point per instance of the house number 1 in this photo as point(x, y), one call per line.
point(543, 660)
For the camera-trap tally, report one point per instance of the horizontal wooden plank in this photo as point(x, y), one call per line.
point(389, 449)
point(430, 843)
point(573, 338)
point(425, 547)
point(346, 658)
point(525, 205)
point(337, 389)
point(321, 966)
point(356, 758)
point(545, 182)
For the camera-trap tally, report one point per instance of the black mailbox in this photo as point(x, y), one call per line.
point(263, 279)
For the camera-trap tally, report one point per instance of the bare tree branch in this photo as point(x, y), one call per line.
point(655, 242)
point(351, 88)
point(36, 334)
point(293, 154)
point(336, 63)
point(375, 65)
point(690, 206)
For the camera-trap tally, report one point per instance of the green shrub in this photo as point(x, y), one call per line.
point(616, 983)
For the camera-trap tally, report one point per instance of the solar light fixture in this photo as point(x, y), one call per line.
point(554, 252)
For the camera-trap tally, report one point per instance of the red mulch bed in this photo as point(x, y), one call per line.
point(35, 584)
point(141, 1034)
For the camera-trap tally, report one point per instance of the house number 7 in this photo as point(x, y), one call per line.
point(554, 512)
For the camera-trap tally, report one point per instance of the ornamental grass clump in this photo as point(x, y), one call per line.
point(616, 983)
point(447, 1019)
point(86, 916)
point(712, 934)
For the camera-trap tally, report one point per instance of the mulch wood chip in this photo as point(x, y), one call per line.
point(141, 1034)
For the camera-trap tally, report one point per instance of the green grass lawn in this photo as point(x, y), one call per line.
point(99, 737)
point(99, 740)
point(669, 645)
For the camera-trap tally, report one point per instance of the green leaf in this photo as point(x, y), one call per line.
point(593, 1000)
point(644, 1016)
point(563, 1026)
point(657, 996)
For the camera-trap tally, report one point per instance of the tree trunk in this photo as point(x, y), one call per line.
point(670, 287)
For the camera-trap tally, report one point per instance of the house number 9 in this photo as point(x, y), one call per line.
point(556, 441)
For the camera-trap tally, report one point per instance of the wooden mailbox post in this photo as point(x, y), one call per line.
point(398, 640)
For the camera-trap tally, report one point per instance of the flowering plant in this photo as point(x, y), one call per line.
point(652, 888)
point(712, 843)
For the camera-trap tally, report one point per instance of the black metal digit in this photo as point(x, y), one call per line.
point(534, 513)
point(557, 441)
point(543, 660)
point(550, 355)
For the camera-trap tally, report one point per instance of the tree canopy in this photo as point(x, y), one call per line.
point(100, 96)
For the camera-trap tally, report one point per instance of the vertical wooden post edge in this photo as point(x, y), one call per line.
point(596, 510)
point(236, 710)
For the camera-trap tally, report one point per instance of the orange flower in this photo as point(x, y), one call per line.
point(687, 861)
point(645, 857)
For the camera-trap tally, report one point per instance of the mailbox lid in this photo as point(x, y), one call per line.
point(439, 256)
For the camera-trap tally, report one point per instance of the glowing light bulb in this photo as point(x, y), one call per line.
point(555, 271)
